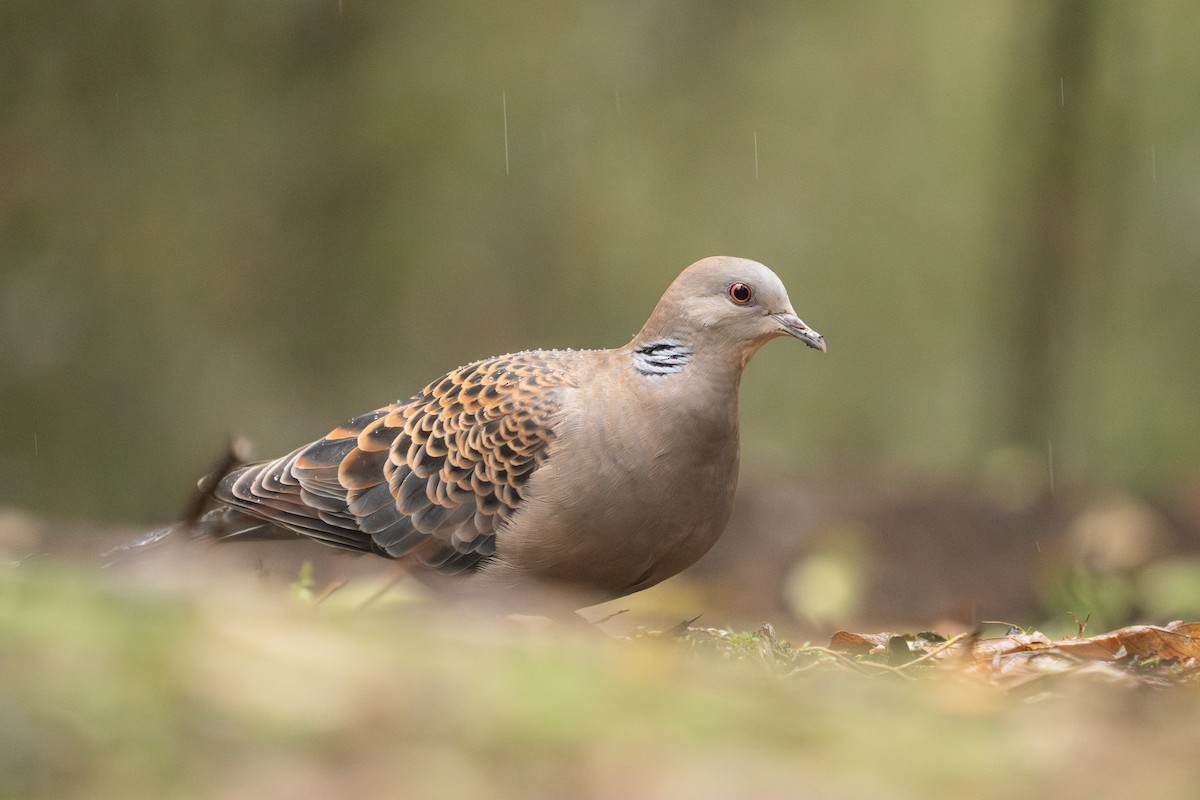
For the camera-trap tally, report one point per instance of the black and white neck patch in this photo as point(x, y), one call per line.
point(662, 357)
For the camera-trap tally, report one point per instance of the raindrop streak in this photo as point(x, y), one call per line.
point(617, 92)
point(755, 155)
point(504, 107)
point(1153, 164)
point(35, 446)
point(1050, 465)
point(1062, 92)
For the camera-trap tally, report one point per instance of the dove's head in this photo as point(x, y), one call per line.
point(727, 302)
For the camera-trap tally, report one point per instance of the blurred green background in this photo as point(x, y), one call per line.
point(267, 217)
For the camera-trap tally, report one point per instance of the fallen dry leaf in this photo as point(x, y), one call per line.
point(860, 643)
point(1146, 653)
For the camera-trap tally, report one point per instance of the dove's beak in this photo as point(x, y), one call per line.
point(794, 326)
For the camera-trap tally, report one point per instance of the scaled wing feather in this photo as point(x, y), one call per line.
point(434, 476)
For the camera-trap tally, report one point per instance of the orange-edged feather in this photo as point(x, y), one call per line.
point(433, 477)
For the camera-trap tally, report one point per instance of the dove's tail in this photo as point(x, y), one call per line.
point(201, 520)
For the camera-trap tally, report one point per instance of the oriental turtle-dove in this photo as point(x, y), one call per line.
point(607, 471)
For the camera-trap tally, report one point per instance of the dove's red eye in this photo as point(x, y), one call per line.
point(740, 293)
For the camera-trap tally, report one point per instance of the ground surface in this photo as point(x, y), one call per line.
point(195, 684)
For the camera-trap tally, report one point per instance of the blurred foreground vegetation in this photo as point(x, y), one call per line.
point(225, 689)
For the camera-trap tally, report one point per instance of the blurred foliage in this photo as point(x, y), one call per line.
point(218, 689)
point(267, 217)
